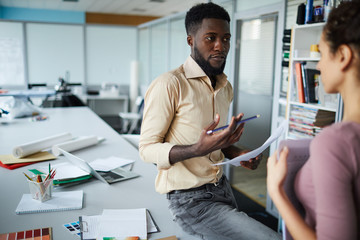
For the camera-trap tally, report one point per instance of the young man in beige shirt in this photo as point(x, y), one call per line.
point(180, 107)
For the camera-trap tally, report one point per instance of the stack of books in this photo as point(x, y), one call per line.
point(324, 118)
point(307, 122)
point(301, 122)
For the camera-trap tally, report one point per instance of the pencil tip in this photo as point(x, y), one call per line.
point(258, 115)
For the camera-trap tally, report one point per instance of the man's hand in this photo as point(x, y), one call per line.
point(253, 163)
point(222, 139)
point(208, 143)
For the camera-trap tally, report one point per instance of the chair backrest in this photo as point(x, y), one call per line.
point(139, 102)
point(298, 155)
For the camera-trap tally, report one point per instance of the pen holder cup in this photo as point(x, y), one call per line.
point(41, 191)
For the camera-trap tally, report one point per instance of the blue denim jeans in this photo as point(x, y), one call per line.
point(211, 213)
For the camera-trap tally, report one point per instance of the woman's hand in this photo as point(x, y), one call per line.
point(276, 172)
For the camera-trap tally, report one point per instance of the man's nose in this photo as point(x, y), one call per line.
point(219, 45)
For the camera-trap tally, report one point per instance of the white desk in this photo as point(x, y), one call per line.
point(80, 121)
point(107, 105)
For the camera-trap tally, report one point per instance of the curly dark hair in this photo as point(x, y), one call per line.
point(343, 26)
point(200, 11)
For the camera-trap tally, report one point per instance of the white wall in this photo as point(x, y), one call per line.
point(110, 50)
point(46, 51)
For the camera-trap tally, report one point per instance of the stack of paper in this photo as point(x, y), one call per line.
point(118, 224)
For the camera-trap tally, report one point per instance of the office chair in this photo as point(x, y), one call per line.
point(131, 120)
point(298, 155)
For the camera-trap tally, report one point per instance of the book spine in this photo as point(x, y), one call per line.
point(311, 74)
point(299, 83)
point(309, 11)
point(304, 80)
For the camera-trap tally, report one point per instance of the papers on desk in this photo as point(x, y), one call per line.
point(68, 173)
point(66, 170)
point(247, 156)
point(36, 157)
point(32, 147)
point(76, 144)
point(64, 141)
point(35, 151)
point(119, 223)
point(110, 163)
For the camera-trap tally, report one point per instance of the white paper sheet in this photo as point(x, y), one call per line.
point(122, 223)
point(247, 156)
point(90, 226)
point(110, 163)
point(64, 170)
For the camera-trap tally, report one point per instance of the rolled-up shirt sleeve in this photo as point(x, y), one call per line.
point(159, 110)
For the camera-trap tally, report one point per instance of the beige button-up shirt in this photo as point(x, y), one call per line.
point(178, 106)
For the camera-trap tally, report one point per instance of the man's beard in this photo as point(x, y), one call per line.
point(205, 65)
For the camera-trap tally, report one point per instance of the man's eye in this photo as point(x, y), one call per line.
point(210, 38)
point(226, 39)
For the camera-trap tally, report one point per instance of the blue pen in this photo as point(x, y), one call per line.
point(241, 121)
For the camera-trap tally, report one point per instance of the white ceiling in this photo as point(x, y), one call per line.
point(131, 7)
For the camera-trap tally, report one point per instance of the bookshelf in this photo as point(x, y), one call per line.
point(308, 107)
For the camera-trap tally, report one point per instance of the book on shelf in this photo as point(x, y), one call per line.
point(310, 77)
point(299, 83)
point(324, 118)
point(304, 81)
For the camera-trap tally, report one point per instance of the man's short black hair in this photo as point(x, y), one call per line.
point(201, 11)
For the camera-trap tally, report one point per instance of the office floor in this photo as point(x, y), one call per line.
point(255, 210)
point(252, 183)
point(249, 188)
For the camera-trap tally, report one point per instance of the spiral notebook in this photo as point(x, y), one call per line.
point(60, 201)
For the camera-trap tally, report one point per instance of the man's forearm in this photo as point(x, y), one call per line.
point(180, 153)
point(232, 151)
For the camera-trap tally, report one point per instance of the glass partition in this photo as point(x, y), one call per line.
point(158, 58)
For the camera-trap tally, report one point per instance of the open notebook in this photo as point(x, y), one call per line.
point(60, 201)
point(115, 175)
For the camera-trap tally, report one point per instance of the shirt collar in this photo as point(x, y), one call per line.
point(193, 70)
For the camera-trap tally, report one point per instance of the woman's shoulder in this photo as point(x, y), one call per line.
point(336, 148)
point(338, 137)
point(341, 129)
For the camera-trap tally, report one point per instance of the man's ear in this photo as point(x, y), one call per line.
point(345, 56)
point(189, 40)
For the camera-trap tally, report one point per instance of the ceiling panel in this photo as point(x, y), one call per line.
point(131, 7)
